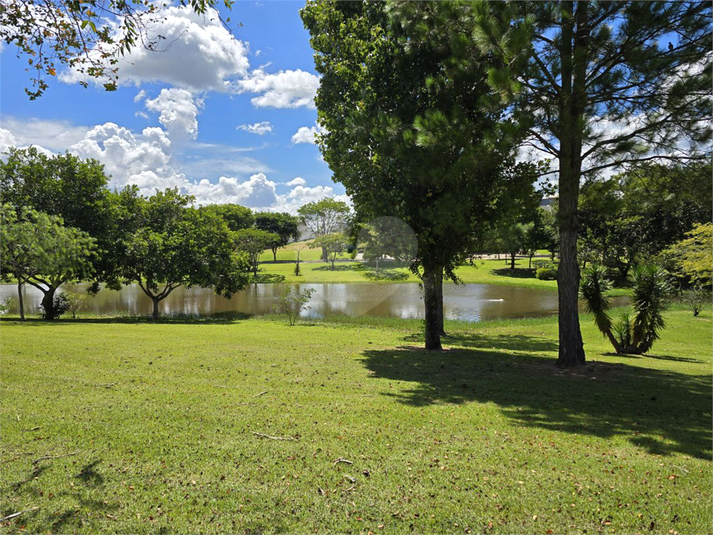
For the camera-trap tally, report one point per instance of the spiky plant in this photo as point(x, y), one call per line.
point(593, 286)
point(651, 291)
point(622, 329)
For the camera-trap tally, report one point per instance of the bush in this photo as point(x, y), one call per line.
point(75, 302)
point(292, 302)
point(695, 299)
point(546, 274)
point(60, 303)
point(548, 264)
point(6, 305)
point(385, 275)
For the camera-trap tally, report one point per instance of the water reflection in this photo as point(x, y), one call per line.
point(469, 302)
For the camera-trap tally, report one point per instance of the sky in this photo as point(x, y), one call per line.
point(228, 117)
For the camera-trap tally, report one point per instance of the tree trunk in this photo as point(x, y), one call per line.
point(439, 309)
point(572, 103)
point(20, 302)
point(512, 261)
point(156, 301)
point(274, 254)
point(48, 304)
point(432, 303)
point(325, 259)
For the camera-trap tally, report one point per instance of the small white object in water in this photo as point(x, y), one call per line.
point(496, 300)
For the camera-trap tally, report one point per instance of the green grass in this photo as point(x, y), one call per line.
point(487, 437)
point(346, 271)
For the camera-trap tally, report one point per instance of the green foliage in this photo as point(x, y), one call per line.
point(60, 305)
point(546, 274)
point(75, 302)
point(412, 130)
point(332, 244)
point(89, 37)
point(173, 245)
point(632, 333)
point(386, 275)
point(696, 298)
point(292, 302)
point(235, 216)
point(6, 305)
point(325, 216)
point(569, 69)
point(691, 259)
point(253, 242)
point(39, 250)
point(283, 225)
point(63, 186)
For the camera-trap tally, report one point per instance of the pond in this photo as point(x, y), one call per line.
point(468, 302)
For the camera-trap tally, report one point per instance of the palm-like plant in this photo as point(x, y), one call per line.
point(630, 334)
point(651, 291)
point(592, 289)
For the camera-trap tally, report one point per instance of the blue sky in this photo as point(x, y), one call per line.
point(227, 118)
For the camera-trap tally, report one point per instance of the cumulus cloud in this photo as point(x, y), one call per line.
point(257, 192)
point(259, 129)
point(7, 140)
point(298, 181)
point(51, 135)
point(285, 89)
point(178, 112)
point(198, 53)
point(306, 134)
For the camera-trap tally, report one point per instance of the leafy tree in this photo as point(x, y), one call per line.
point(174, 245)
point(293, 301)
point(692, 257)
point(514, 239)
point(411, 130)
point(253, 242)
point(324, 217)
point(68, 187)
point(334, 244)
point(39, 250)
point(236, 217)
point(89, 36)
point(599, 85)
point(285, 226)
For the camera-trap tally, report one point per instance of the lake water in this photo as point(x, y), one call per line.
point(469, 302)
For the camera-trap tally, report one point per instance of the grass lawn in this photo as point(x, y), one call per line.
point(483, 272)
point(113, 426)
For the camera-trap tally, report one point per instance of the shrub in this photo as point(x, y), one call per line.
point(292, 302)
point(385, 275)
point(75, 302)
point(549, 264)
point(546, 273)
point(6, 305)
point(695, 299)
point(60, 303)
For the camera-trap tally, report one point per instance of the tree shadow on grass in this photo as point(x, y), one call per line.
point(179, 319)
point(660, 411)
point(346, 266)
point(517, 273)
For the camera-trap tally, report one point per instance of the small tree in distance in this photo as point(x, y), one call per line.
point(332, 244)
point(253, 242)
point(292, 302)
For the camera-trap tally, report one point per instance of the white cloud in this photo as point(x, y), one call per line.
point(52, 135)
point(257, 192)
point(141, 95)
point(305, 134)
point(195, 52)
point(257, 128)
point(7, 140)
point(298, 181)
point(285, 89)
point(178, 112)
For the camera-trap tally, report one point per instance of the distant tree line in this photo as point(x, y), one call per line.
point(61, 223)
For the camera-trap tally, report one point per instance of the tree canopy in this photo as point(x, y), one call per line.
point(599, 85)
point(89, 36)
point(174, 245)
point(38, 249)
point(412, 130)
point(253, 242)
point(285, 226)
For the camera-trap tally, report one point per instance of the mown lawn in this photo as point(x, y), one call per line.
point(489, 271)
point(152, 429)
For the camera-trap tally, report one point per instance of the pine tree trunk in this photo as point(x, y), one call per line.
point(156, 301)
point(434, 307)
point(20, 302)
point(572, 105)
